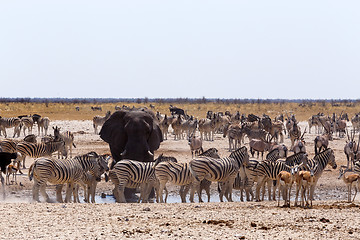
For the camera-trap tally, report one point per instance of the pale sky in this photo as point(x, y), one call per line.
point(169, 49)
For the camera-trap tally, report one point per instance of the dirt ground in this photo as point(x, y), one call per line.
point(328, 219)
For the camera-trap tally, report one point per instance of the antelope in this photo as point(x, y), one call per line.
point(260, 146)
point(11, 169)
point(286, 179)
point(323, 140)
point(350, 149)
point(306, 179)
point(349, 180)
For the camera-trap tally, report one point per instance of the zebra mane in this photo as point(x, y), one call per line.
point(295, 159)
point(163, 158)
point(211, 152)
point(236, 152)
point(272, 152)
point(326, 151)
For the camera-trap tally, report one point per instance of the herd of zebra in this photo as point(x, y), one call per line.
point(237, 171)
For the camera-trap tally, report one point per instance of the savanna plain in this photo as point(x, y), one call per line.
point(331, 216)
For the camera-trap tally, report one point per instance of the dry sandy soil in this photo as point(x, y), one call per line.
point(330, 218)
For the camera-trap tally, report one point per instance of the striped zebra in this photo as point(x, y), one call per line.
point(142, 173)
point(67, 137)
point(13, 122)
point(70, 171)
point(274, 155)
point(294, 133)
point(36, 150)
point(43, 125)
point(114, 179)
point(267, 172)
point(179, 174)
point(89, 183)
point(321, 160)
point(357, 166)
point(27, 123)
point(99, 120)
point(218, 170)
point(242, 182)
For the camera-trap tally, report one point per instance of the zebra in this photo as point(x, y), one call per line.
point(9, 123)
point(219, 170)
point(242, 182)
point(321, 160)
point(58, 172)
point(234, 132)
point(27, 123)
point(36, 150)
point(137, 172)
point(43, 124)
point(67, 137)
point(99, 121)
point(89, 183)
point(268, 171)
point(180, 174)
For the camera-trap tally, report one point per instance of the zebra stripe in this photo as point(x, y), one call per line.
point(36, 150)
point(357, 167)
point(269, 170)
point(319, 162)
point(274, 155)
point(43, 125)
point(58, 172)
point(67, 137)
point(179, 174)
point(219, 170)
point(137, 172)
point(8, 145)
point(9, 123)
point(27, 123)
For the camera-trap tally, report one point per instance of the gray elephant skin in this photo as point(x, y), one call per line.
point(132, 134)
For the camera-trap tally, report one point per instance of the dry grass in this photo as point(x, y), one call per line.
point(67, 111)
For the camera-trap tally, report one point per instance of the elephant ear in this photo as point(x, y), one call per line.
point(113, 127)
point(155, 137)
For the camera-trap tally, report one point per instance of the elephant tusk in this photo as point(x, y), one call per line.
point(123, 153)
point(150, 153)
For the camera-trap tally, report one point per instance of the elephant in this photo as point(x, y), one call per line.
point(132, 134)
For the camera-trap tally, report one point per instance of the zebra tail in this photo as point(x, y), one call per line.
point(31, 171)
point(192, 172)
point(219, 190)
